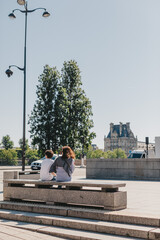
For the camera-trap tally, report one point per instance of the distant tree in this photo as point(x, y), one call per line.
point(8, 157)
point(120, 153)
point(73, 110)
point(117, 153)
point(19, 151)
point(21, 143)
point(42, 117)
point(111, 154)
point(7, 143)
point(95, 153)
point(32, 155)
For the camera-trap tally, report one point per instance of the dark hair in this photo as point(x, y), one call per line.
point(49, 153)
point(67, 152)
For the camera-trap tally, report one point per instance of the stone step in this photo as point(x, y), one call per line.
point(95, 226)
point(123, 216)
point(63, 233)
point(10, 232)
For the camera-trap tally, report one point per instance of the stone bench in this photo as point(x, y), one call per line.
point(85, 193)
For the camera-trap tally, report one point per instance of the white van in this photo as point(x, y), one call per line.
point(138, 154)
point(142, 154)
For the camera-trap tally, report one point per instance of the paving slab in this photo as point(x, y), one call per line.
point(9, 232)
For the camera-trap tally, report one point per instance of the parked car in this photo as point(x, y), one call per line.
point(36, 165)
point(142, 154)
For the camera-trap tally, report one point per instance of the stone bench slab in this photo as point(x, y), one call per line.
point(74, 184)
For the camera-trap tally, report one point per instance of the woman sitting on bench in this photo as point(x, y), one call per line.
point(64, 166)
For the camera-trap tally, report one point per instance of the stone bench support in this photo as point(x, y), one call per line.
point(34, 174)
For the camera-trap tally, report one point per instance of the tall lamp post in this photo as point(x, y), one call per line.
point(9, 72)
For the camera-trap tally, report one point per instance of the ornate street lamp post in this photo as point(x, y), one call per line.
point(9, 72)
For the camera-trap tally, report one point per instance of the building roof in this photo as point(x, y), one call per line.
point(124, 131)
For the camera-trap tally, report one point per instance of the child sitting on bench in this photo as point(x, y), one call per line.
point(45, 173)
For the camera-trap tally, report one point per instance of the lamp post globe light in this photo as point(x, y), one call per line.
point(21, 2)
point(9, 71)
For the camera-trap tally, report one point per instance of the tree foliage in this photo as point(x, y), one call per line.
point(21, 143)
point(73, 109)
point(7, 143)
point(42, 117)
point(120, 153)
point(8, 157)
point(117, 153)
point(62, 112)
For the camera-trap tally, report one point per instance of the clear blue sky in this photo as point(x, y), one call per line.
point(116, 44)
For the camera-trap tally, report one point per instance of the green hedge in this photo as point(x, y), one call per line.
point(8, 157)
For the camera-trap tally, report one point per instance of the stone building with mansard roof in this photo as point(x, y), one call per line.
point(120, 136)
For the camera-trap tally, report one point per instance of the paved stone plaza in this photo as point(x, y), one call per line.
point(11, 233)
point(143, 200)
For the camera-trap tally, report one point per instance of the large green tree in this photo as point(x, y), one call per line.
point(7, 143)
point(73, 109)
point(62, 112)
point(42, 117)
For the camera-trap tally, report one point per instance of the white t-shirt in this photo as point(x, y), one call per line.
point(45, 167)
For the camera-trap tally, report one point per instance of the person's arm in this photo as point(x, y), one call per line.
point(53, 168)
point(72, 166)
